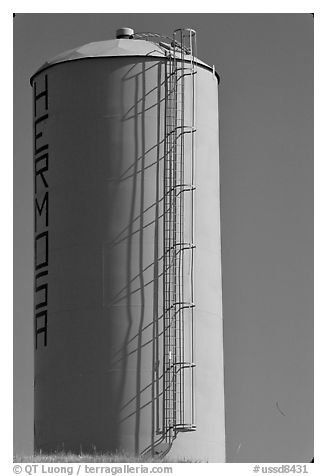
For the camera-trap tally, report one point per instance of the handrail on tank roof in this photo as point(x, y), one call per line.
point(150, 36)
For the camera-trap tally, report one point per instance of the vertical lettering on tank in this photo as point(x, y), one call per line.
point(41, 210)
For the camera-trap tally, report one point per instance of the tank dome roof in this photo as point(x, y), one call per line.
point(112, 48)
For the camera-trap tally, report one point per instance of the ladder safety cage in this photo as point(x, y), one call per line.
point(178, 412)
point(178, 388)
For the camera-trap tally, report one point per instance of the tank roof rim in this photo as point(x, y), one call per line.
point(110, 49)
point(49, 65)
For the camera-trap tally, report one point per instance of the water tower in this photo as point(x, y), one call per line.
point(128, 313)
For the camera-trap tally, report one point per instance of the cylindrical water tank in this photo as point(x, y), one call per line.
point(101, 140)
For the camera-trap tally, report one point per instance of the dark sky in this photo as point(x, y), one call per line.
point(266, 160)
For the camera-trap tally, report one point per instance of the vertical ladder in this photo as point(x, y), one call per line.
point(178, 292)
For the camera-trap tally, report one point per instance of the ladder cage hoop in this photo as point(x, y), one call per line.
point(157, 38)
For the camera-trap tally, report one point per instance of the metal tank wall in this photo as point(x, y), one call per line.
point(98, 155)
point(207, 443)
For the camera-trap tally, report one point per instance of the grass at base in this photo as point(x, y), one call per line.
point(97, 458)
